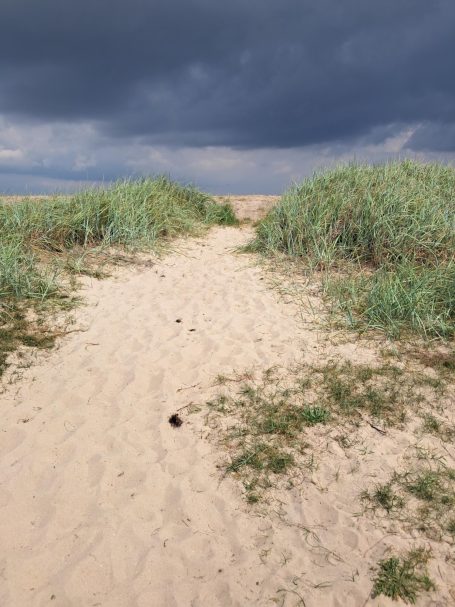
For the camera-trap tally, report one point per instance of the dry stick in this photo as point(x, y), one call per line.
point(188, 387)
point(63, 333)
point(90, 343)
point(380, 430)
point(185, 406)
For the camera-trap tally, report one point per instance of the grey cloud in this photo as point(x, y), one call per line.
point(244, 74)
point(436, 136)
point(115, 79)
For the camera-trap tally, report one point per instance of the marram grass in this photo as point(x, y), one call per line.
point(34, 233)
point(132, 213)
point(390, 228)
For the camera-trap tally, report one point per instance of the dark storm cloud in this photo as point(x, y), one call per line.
point(437, 137)
point(243, 73)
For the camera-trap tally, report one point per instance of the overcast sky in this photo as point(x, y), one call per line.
point(234, 95)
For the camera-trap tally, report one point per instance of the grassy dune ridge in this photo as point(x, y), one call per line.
point(389, 229)
point(130, 213)
point(35, 233)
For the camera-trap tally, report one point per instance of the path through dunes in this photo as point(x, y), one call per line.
point(103, 503)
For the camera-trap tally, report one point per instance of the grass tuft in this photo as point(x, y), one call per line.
point(403, 577)
point(315, 415)
point(384, 496)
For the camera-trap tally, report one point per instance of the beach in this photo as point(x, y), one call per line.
point(104, 503)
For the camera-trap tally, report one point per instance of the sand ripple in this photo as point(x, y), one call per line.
point(102, 503)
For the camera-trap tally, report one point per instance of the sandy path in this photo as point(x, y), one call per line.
point(102, 503)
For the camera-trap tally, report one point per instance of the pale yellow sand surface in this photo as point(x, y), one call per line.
point(252, 207)
point(103, 503)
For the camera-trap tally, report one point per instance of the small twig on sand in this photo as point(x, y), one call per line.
point(63, 333)
point(380, 430)
point(188, 387)
point(185, 406)
point(91, 343)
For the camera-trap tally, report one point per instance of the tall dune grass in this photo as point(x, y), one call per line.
point(391, 228)
point(137, 214)
point(20, 275)
point(130, 213)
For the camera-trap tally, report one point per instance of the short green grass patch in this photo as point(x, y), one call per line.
point(403, 577)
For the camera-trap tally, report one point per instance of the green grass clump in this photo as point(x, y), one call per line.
point(264, 440)
point(37, 235)
point(389, 228)
point(384, 496)
point(315, 415)
point(403, 578)
point(399, 297)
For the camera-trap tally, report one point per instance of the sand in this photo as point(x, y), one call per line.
point(252, 207)
point(103, 503)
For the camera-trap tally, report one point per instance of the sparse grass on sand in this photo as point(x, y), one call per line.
point(270, 424)
point(271, 430)
point(384, 239)
point(421, 495)
point(43, 240)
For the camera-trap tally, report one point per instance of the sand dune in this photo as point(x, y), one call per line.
point(103, 503)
